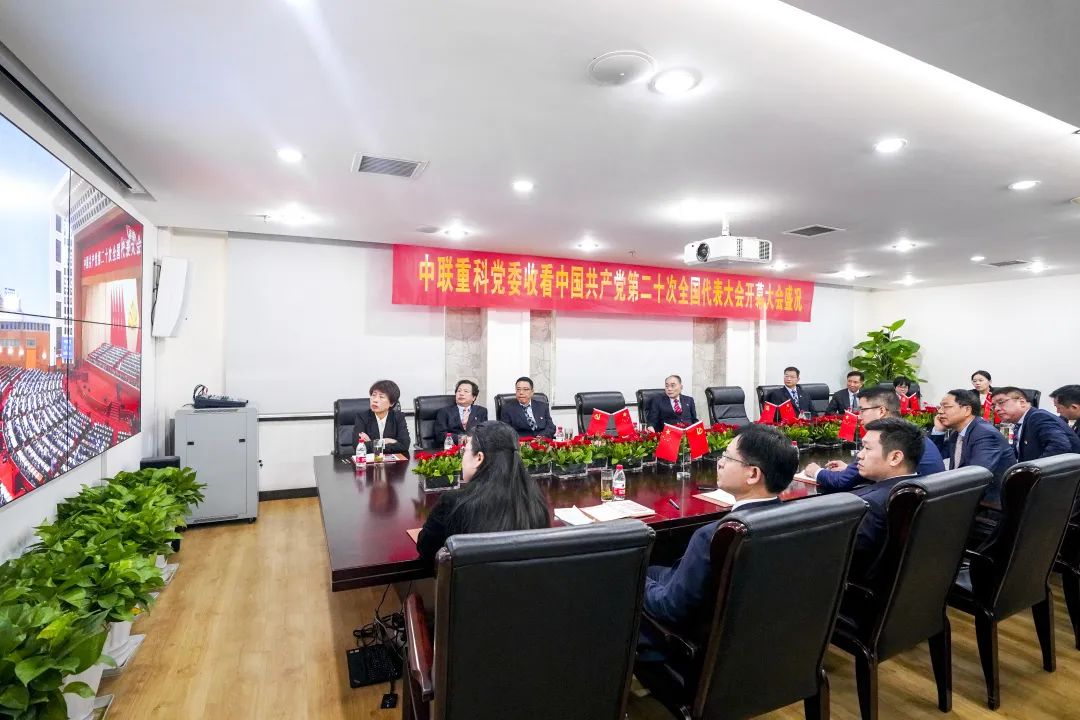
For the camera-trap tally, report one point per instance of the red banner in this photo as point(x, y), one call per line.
point(121, 249)
point(464, 278)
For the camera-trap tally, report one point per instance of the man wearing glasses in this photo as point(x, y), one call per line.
point(874, 404)
point(973, 441)
point(1037, 433)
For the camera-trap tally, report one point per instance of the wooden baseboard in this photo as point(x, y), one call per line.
point(289, 494)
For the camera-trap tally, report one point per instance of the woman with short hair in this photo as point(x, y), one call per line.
point(383, 420)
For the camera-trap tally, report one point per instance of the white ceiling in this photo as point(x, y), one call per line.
point(195, 97)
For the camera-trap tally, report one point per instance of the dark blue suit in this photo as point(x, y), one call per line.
point(873, 530)
point(513, 414)
point(660, 412)
point(983, 446)
point(672, 595)
point(1043, 434)
point(781, 395)
point(448, 420)
point(849, 477)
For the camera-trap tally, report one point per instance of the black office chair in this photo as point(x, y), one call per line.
point(1011, 571)
point(502, 398)
point(760, 641)
point(1068, 564)
point(586, 402)
point(1032, 395)
point(913, 388)
point(644, 397)
point(345, 411)
point(424, 409)
point(819, 397)
point(506, 646)
point(903, 603)
point(727, 404)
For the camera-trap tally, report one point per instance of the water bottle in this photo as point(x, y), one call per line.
point(795, 445)
point(559, 434)
point(448, 442)
point(618, 483)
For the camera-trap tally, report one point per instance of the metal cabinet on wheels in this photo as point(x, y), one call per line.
point(222, 445)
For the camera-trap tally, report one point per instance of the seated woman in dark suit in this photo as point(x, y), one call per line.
point(384, 420)
point(499, 494)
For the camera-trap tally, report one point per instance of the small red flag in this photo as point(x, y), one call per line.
point(787, 411)
point(768, 414)
point(848, 426)
point(668, 447)
point(695, 436)
point(988, 410)
point(598, 424)
point(624, 424)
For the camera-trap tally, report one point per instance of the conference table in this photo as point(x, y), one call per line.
point(367, 515)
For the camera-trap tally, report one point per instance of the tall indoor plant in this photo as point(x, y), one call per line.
point(886, 355)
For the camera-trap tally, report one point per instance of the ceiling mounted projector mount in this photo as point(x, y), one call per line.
point(621, 67)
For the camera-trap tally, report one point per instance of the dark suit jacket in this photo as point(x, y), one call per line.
point(841, 401)
point(396, 427)
point(873, 530)
point(513, 414)
point(1044, 434)
point(660, 412)
point(674, 594)
point(448, 420)
point(1075, 427)
point(849, 477)
point(983, 446)
point(781, 395)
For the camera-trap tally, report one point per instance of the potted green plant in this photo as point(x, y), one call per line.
point(719, 437)
point(629, 452)
point(825, 431)
point(571, 458)
point(885, 355)
point(440, 470)
point(536, 456)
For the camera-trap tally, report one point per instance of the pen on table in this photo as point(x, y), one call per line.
point(674, 504)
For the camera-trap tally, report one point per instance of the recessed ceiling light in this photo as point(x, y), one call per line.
point(890, 145)
point(779, 266)
point(455, 231)
point(1036, 267)
point(904, 245)
point(978, 258)
point(523, 186)
point(588, 244)
point(675, 81)
point(290, 155)
point(291, 214)
point(1023, 184)
point(851, 274)
point(907, 280)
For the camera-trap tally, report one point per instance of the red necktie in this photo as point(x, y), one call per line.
point(678, 407)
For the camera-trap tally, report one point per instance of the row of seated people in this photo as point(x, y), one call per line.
point(118, 362)
point(65, 448)
point(885, 560)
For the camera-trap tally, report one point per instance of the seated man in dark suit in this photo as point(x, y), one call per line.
point(1067, 402)
point(383, 420)
point(756, 467)
point(847, 399)
point(530, 418)
point(462, 416)
point(892, 449)
point(973, 441)
point(791, 391)
point(1037, 433)
point(874, 404)
point(673, 409)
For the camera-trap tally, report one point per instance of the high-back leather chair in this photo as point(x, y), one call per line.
point(345, 411)
point(819, 397)
point(760, 641)
point(586, 402)
point(503, 398)
point(913, 388)
point(1032, 395)
point(424, 409)
point(1010, 572)
point(762, 391)
point(644, 397)
point(1068, 564)
point(903, 603)
point(506, 647)
point(727, 404)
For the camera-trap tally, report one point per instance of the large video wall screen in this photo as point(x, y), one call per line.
point(70, 318)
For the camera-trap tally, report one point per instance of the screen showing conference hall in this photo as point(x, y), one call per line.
point(70, 318)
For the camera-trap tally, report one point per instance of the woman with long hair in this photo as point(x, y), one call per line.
point(980, 380)
point(498, 493)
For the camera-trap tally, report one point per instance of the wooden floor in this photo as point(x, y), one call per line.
point(250, 629)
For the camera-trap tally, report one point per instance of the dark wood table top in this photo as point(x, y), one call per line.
point(366, 515)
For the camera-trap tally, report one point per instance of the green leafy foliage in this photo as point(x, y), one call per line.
point(885, 355)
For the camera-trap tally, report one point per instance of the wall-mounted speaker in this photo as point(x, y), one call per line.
point(169, 296)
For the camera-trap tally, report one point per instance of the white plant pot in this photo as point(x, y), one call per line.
point(160, 562)
point(79, 708)
point(119, 633)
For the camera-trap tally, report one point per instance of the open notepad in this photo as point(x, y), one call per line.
point(605, 511)
point(717, 497)
point(387, 458)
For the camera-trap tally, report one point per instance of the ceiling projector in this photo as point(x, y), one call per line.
point(728, 249)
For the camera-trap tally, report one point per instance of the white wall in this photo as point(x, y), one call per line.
point(820, 348)
point(1024, 332)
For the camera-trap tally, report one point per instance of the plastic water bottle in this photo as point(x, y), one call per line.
point(559, 434)
point(618, 483)
point(448, 442)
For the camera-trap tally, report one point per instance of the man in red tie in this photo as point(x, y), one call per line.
point(673, 408)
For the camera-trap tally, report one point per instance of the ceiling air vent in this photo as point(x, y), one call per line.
point(812, 230)
point(373, 165)
point(1007, 263)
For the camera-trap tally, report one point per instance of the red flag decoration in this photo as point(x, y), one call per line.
point(913, 404)
point(695, 436)
point(787, 411)
point(848, 426)
point(668, 447)
point(598, 424)
point(624, 424)
point(768, 414)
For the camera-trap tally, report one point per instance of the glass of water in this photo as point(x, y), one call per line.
point(606, 494)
